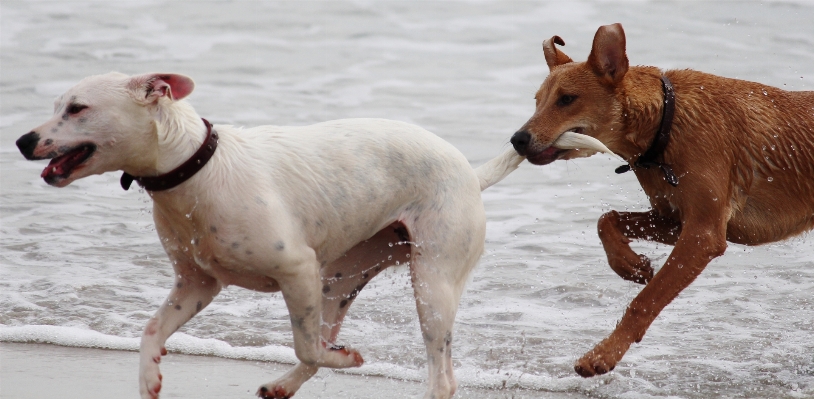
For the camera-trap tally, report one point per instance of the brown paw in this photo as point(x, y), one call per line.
point(635, 268)
point(600, 360)
point(590, 369)
point(277, 393)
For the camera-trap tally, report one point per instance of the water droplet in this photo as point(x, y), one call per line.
point(390, 244)
point(770, 178)
point(765, 93)
point(702, 87)
point(680, 266)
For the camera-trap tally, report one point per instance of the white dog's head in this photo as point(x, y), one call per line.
point(104, 123)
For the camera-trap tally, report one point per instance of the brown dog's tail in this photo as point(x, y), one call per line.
point(498, 168)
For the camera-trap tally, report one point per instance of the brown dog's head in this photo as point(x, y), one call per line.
point(577, 99)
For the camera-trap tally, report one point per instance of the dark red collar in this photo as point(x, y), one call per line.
point(649, 158)
point(181, 173)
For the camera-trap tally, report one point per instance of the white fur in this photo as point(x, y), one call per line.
point(288, 209)
point(498, 168)
point(572, 140)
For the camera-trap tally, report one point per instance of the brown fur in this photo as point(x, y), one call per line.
point(743, 152)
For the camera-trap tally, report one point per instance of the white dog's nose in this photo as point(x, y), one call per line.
point(27, 143)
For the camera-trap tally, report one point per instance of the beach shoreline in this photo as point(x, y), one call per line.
point(29, 370)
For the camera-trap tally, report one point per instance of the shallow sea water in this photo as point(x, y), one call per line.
point(82, 265)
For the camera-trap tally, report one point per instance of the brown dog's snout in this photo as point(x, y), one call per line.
point(27, 143)
point(520, 141)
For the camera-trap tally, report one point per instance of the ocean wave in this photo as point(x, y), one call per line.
point(189, 345)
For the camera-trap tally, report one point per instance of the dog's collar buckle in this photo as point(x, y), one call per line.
point(183, 172)
point(656, 149)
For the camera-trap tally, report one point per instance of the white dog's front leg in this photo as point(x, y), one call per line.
point(193, 290)
point(302, 291)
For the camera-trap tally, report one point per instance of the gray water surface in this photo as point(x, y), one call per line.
point(82, 265)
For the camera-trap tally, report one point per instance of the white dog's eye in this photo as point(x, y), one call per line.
point(76, 108)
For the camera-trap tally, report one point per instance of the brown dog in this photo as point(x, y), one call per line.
point(737, 164)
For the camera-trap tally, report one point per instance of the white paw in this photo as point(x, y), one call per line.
point(150, 377)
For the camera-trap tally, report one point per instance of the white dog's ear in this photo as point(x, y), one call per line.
point(150, 87)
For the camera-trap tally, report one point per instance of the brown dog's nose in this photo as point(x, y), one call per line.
point(27, 143)
point(521, 141)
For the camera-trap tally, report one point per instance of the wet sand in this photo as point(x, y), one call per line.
point(41, 370)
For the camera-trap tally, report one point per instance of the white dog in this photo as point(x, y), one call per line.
point(314, 212)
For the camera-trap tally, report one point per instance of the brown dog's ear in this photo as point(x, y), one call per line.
point(553, 56)
point(150, 87)
point(608, 58)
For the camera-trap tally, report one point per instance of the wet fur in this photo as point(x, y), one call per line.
point(315, 212)
point(743, 152)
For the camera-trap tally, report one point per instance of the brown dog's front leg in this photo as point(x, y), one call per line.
point(616, 229)
point(698, 244)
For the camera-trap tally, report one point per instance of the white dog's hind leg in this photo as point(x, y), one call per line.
point(287, 385)
point(345, 277)
point(437, 303)
point(193, 290)
point(448, 246)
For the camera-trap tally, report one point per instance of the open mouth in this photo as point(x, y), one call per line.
point(573, 139)
point(546, 156)
point(552, 153)
point(61, 167)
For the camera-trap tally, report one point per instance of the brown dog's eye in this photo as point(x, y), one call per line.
point(74, 109)
point(565, 100)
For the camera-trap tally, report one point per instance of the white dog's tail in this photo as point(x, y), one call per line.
point(498, 168)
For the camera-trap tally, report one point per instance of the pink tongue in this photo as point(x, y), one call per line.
point(57, 165)
point(550, 151)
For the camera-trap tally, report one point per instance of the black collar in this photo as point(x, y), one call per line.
point(656, 149)
point(181, 173)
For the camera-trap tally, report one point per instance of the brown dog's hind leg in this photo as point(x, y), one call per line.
point(617, 229)
point(698, 244)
